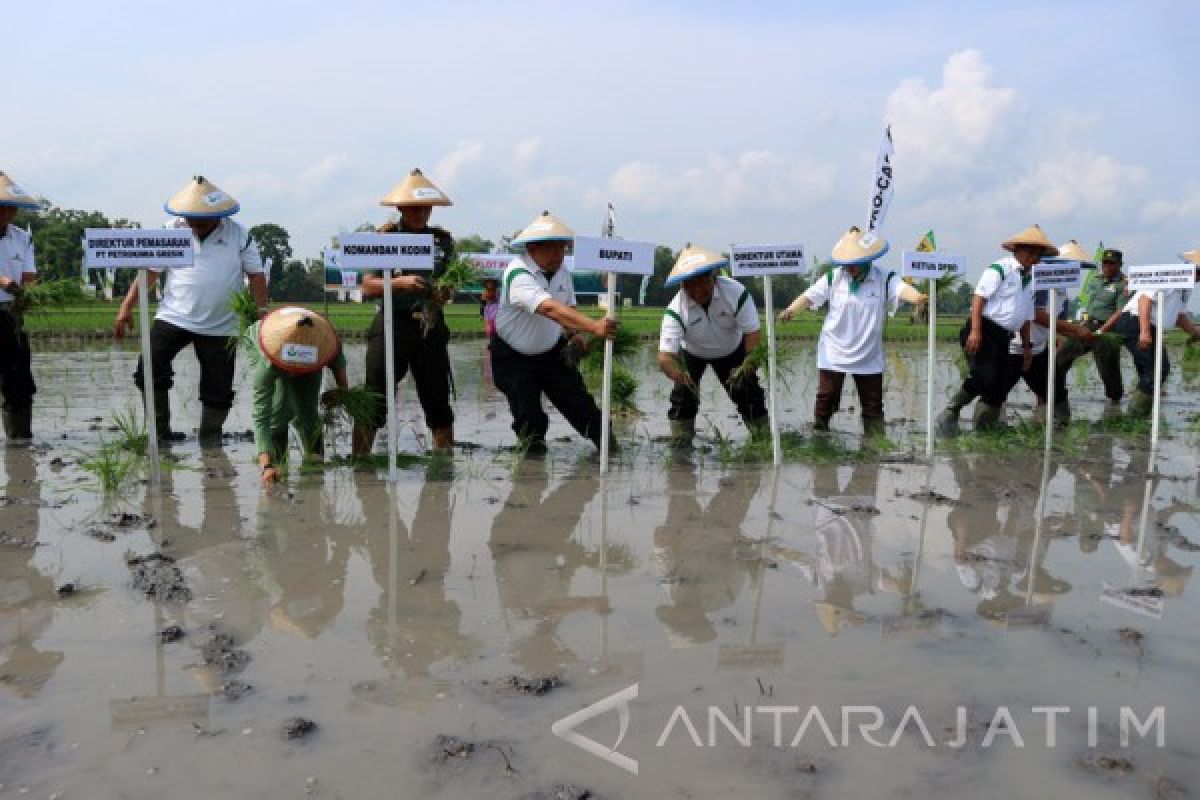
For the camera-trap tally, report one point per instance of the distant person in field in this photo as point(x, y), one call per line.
point(1002, 306)
point(1135, 325)
point(17, 272)
point(489, 305)
point(1105, 298)
point(536, 319)
point(859, 295)
point(195, 307)
point(419, 327)
point(711, 322)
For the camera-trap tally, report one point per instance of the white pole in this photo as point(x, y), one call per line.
point(772, 412)
point(1040, 511)
point(148, 382)
point(606, 400)
point(1158, 353)
point(929, 371)
point(1051, 357)
point(389, 351)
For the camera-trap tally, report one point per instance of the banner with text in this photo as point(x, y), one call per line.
point(749, 260)
point(1153, 277)
point(604, 254)
point(1057, 275)
point(925, 265)
point(141, 248)
point(881, 192)
point(360, 251)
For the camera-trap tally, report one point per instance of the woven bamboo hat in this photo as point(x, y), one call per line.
point(855, 248)
point(546, 228)
point(1034, 237)
point(415, 190)
point(201, 199)
point(693, 261)
point(1073, 251)
point(13, 195)
point(1192, 256)
point(297, 340)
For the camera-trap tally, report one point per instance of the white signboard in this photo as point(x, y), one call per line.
point(1056, 275)
point(332, 257)
point(361, 251)
point(932, 265)
point(604, 254)
point(349, 278)
point(749, 260)
point(490, 263)
point(1161, 276)
point(109, 248)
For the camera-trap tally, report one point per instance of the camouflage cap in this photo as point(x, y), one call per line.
point(1113, 255)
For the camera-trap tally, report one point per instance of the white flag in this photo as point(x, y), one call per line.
point(610, 222)
point(881, 191)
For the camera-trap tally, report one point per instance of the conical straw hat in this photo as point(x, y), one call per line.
point(415, 190)
point(693, 261)
point(200, 199)
point(1034, 237)
point(546, 228)
point(1072, 251)
point(1193, 256)
point(13, 195)
point(855, 247)
point(297, 340)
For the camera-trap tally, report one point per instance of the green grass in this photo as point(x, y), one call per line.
point(113, 467)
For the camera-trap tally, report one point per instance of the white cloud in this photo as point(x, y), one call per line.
point(304, 182)
point(1075, 185)
point(525, 151)
point(1185, 210)
point(955, 126)
point(464, 153)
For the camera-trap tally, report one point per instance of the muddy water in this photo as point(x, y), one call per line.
point(391, 617)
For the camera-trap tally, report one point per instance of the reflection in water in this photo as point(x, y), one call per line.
point(26, 594)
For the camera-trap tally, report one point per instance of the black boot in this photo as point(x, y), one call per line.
point(18, 425)
point(211, 420)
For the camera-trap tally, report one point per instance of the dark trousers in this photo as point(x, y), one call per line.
point(747, 394)
point(1035, 377)
point(987, 378)
point(217, 356)
point(1129, 330)
point(16, 375)
point(524, 379)
point(829, 394)
point(426, 357)
point(1108, 364)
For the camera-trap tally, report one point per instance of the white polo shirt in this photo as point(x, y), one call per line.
point(1008, 292)
point(196, 298)
point(1175, 302)
point(852, 336)
point(525, 287)
point(1039, 335)
point(16, 257)
point(709, 333)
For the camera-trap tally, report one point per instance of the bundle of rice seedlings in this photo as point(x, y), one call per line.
point(626, 343)
point(459, 273)
point(624, 387)
point(243, 304)
point(43, 296)
point(677, 361)
point(757, 359)
point(112, 466)
point(358, 404)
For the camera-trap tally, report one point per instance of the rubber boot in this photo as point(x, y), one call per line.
point(1039, 415)
point(947, 421)
point(1062, 415)
point(821, 424)
point(1112, 408)
point(211, 421)
point(162, 417)
point(443, 438)
point(1140, 404)
point(18, 426)
point(874, 426)
point(683, 431)
point(362, 441)
point(989, 418)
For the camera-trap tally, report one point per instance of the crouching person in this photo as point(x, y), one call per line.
point(529, 351)
point(291, 348)
point(859, 295)
point(711, 322)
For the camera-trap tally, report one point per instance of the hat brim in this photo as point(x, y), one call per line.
point(415, 203)
point(297, 369)
point(675, 280)
point(1048, 250)
point(855, 262)
point(29, 204)
point(227, 212)
point(557, 237)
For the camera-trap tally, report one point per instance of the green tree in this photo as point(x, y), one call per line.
point(274, 242)
point(58, 237)
point(473, 244)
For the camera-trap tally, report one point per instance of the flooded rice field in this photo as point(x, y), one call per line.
point(860, 623)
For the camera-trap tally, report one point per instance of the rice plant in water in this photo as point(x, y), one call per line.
point(131, 433)
point(358, 404)
point(112, 466)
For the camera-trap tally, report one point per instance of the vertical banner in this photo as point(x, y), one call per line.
point(881, 190)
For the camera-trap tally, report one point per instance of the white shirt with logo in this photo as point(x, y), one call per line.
point(709, 333)
point(1039, 335)
point(1008, 293)
point(525, 287)
point(196, 298)
point(1175, 302)
point(16, 257)
point(852, 336)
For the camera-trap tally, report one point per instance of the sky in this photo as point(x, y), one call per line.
point(700, 121)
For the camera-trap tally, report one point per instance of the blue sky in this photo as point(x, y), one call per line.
point(712, 122)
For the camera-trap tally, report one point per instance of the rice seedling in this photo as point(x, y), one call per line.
point(459, 273)
point(132, 435)
point(358, 404)
point(245, 307)
point(757, 359)
point(1191, 351)
point(112, 466)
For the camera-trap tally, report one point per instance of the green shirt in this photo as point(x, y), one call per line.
point(280, 397)
point(1105, 296)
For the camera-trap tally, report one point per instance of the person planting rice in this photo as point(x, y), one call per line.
point(1002, 306)
point(418, 326)
point(1106, 298)
point(1135, 326)
point(291, 346)
point(529, 351)
point(17, 272)
point(858, 294)
point(711, 322)
point(195, 309)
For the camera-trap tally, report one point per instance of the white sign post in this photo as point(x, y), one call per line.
point(1052, 275)
point(387, 252)
point(763, 261)
point(613, 257)
point(1159, 278)
point(931, 266)
point(142, 249)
